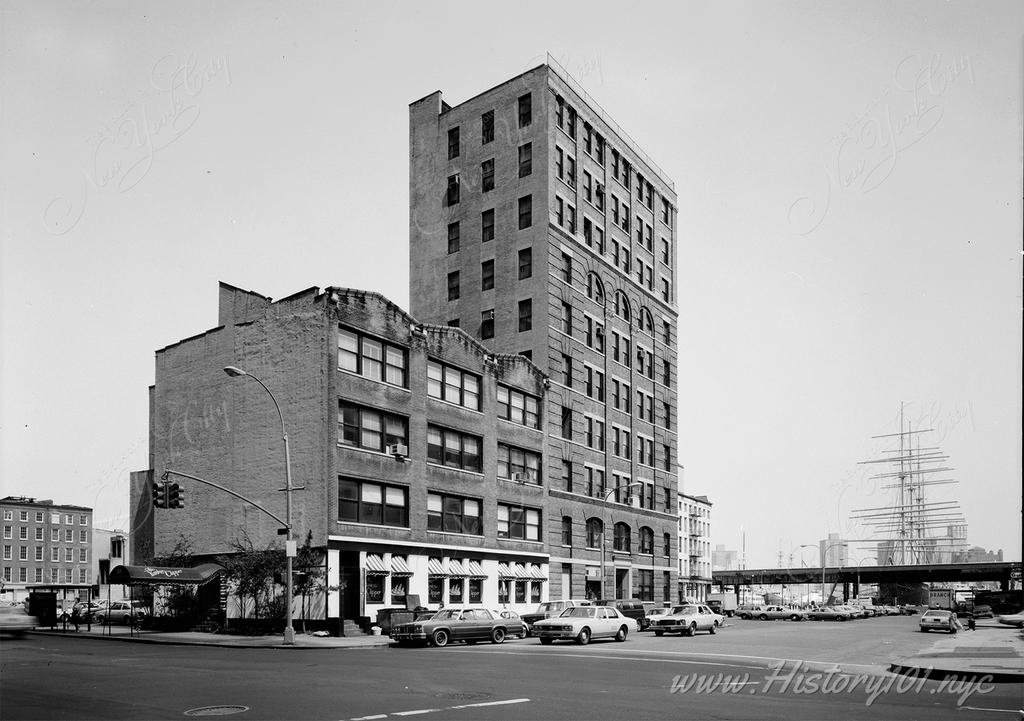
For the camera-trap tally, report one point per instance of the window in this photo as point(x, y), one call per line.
point(567, 423)
point(453, 385)
point(366, 502)
point(39, 516)
point(570, 218)
point(399, 588)
point(622, 306)
point(560, 111)
point(81, 536)
point(595, 433)
point(567, 476)
point(595, 289)
point(665, 294)
point(374, 588)
point(588, 138)
point(23, 533)
point(645, 580)
point(453, 449)
point(570, 171)
point(666, 543)
point(599, 196)
point(453, 514)
point(567, 268)
point(594, 383)
point(525, 315)
point(595, 482)
point(666, 455)
point(369, 428)
point(518, 522)
point(622, 537)
point(525, 263)
point(648, 237)
point(666, 372)
point(82, 557)
point(23, 553)
point(23, 515)
point(487, 275)
point(453, 142)
point(664, 251)
point(54, 553)
point(567, 531)
point(518, 407)
point(455, 588)
point(487, 225)
point(666, 332)
point(487, 175)
point(615, 210)
point(525, 212)
point(487, 324)
point(453, 237)
point(559, 163)
point(666, 409)
point(487, 127)
point(566, 318)
point(452, 195)
point(453, 285)
point(518, 460)
point(8, 514)
point(588, 193)
point(525, 160)
point(39, 533)
point(453, 322)
point(666, 213)
point(571, 123)
point(646, 540)
point(525, 110)
point(595, 529)
point(567, 370)
point(476, 590)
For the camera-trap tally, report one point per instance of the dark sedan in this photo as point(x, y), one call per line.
point(462, 623)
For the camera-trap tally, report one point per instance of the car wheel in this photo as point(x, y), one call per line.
point(659, 633)
point(714, 628)
point(763, 617)
point(440, 638)
point(841, 618)
point(692, 630)
point(794, 617)
point(584, 637)
point(526, 632)
point(100, 618)
point(546, 641)
point(498, 635)
point(621, 635)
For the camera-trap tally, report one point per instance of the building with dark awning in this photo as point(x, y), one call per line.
point(164, 575)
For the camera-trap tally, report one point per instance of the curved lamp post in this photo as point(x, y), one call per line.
point(824, 552)
point(606, 497)
point(289, 631)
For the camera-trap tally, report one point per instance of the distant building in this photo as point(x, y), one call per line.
point(44, 543)
point(834, 551)
point(723, 560)
point(109, 550)
point(694, 547)
point(977, 554)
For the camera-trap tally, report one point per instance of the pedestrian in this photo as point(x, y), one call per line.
point(76, 617)
point(970, 622)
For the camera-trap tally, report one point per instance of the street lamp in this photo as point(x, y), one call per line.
point(289, 632)
point(606, 497)
point(823, 552)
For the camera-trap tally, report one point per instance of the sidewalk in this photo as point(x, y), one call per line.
point(992, 649)
point(197, 638)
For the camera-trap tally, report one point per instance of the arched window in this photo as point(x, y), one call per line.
point(622, 305)
point(567, 531)
point(646, 321)
point(594, 530)
point(595, 288)
point(622, 537)
point(646, 540)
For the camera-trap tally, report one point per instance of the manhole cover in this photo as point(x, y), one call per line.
point(216, 710)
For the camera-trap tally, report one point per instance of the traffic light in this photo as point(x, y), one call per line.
point(174, 496)
point(160, 495)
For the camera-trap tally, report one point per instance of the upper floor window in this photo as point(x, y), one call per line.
point(487, 175)
point(525, 212)
point(372, 358)
point(512, 460)
point(525, 110)
point(453, 385)
point(518, 522)
point(487, 225)
point(453, 514)
point(595, 530)
point(368, 502)
point(487, 127)
point(452, 194)
point(453, 237)
point(518, 407)
point(453, 142)
point(622, 537)
point(595, 288)
point(525, 160)
point(369, 428)
point(567, 530)
point(622, 306)
point(454, 449)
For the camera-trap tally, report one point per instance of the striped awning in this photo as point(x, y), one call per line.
point(522, 571)
point(375, 565)
point(536, 572)
point(435, 567)
point(456, 569)
point(400, 567)
point(476, 570)
point(504, 571)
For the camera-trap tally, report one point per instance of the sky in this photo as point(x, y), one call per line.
point(849, 189)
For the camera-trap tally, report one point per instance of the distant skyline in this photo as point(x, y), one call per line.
point(849, 185)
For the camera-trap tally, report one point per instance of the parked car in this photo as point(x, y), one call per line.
point(1013, 619)
point(548, 609)
point(687, 620)
point(654, 614)
point(774, 613)
point(828, 613)
point(124, 612)
point(632, 608)
point(514, 626)
point(582, 623)
point(939, 620)
point(749, 610)
point(983, 612)
point(855, 611)
point(459, 623)
point(15, 620)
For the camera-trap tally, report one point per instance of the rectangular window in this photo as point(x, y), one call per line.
point(525, 263)
point(525, 160)
point(487, 175)
point(570, 171)
point(525, 315)
point(452, 194)
point(566, 423)
point(518, 407)
point(666, 215)
point(487, 225)
point(82, 555)
point(567, 268)
point(570, 218)
point(559, 163)
point(39, 553)
point(369, 428)
point(587, 187)
point(453, 285)
point(448, 383)
point(453, 237)
point(588, 138)
point(567, 485)
point(453, 142)
point(487, 127)
point(525, 212)
point(377, 503)
point(665, 294)
point(512, 460)
point(453, 449)
point(566, 318)
point(645, 577)
point(664, 251)
point(525, 110)
point(667, 412)
point(599, 196)
point(567, 370)
point(595, 433)
point(23, 553)
point(453, 514)
point(518, 522)
point(81, 536)
point(571, 123)
point(487, 275)
point(487, 324)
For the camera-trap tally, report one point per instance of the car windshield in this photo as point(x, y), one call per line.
point(684, 610)
point(578, 612)
point(446, 614)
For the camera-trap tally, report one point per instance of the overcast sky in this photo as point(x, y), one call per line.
point(849, 181)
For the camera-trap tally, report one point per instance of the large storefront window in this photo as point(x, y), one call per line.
point(435, 589)
point(520, 591)
point(535, 592)
point(399, 589)
point(455, 587)
point(476, 590)
point(504, 590)
point(374, 589)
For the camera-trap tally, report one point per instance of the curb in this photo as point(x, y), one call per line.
point(931, 672)
point(235, 642)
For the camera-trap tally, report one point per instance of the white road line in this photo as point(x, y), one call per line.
point(370, 718)
point(492, 703)
point(416, 712)
point(420, 711)
point(993, 710)
point(611, 658)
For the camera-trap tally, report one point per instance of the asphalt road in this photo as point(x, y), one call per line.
point(52, 677)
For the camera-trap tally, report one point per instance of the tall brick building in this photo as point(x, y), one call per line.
point(44, 543)
point(540, 228)
point(418, 451)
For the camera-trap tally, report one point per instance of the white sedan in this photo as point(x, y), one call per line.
point(582, 623)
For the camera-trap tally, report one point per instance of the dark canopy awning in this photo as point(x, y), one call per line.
point(162, 575)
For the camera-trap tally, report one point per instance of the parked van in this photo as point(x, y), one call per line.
point(631, 608)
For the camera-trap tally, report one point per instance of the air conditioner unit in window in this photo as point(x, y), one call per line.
point(398, 450)
point(518, 477)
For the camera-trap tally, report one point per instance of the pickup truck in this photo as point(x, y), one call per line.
point(773, 613)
